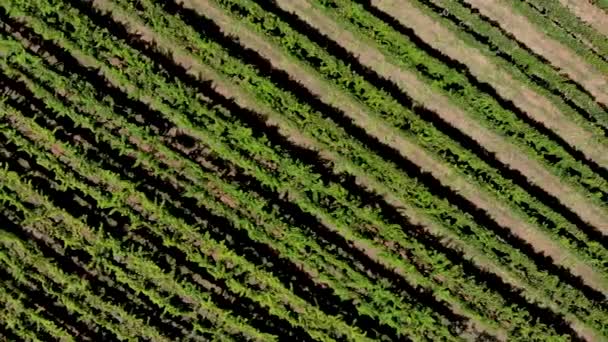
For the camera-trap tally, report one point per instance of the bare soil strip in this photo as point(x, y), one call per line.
point(533, 104)
point(559, 55)
point(388, 135)
point(588, 13)
point(503, 151)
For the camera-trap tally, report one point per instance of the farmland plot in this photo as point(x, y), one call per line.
point(311, 170)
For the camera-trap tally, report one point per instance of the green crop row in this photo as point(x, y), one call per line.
point(23, 321)
point(523, 65)
point(558, 22)
point(161, 294)
point(233, 135)
point(336, 71)
point(481, 105)
point(339, 211)
point(602, 4)
point(56, 87)
point(92, 287)
point(140, 281)
point(336, 139)
point(198, 47)
point(125, 322)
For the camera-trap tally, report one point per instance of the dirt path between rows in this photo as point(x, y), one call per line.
point(536, 106)
point(588, 13)
point(559, 55)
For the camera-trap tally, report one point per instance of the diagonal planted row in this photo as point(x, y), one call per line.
point(76, 263)
point(74, 292)
point(558, 23)
point(233, 24)
point(559, 13)
point(447, 76)
point(152, 244)
point(586, 70)
point(540, 109)
point(21, 319)
point(132, 276)
point(173, 99)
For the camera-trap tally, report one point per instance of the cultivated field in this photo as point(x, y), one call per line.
point(304, 170)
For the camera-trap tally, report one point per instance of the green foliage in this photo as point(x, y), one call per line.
point(233, 147)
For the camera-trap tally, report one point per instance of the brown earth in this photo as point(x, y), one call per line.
point(578, 36)
point(559, 55)
point(587, 12)
point(530, 102)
